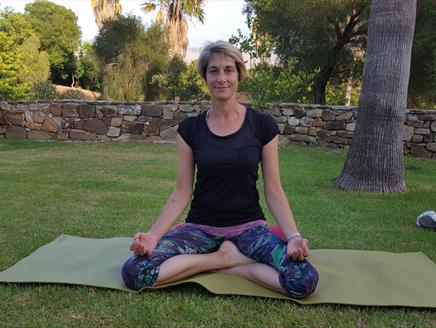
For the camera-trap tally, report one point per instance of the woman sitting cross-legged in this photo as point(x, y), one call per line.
point(225, 229)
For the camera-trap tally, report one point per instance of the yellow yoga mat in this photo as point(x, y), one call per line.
point(346, 276)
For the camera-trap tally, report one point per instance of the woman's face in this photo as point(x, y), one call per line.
point(222, 77)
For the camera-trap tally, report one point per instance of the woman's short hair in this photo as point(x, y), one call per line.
point(221, 47)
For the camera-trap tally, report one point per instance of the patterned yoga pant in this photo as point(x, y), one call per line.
point(297, 278)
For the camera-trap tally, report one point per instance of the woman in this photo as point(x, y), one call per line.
point(225, 229)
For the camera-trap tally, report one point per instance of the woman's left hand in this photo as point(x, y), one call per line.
point(297, 248)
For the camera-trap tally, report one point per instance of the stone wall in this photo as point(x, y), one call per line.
point(330, 126)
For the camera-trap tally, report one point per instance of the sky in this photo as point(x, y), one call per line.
point(222, 18)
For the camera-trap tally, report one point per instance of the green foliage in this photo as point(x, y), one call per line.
point(70, 94)
point(316, 36)
point(88, 73)
point(44, 90)
point(422, 91)
point(268, 83)
point(127, 52)
point(59, 34)
point(21, 63)
point(179, 82)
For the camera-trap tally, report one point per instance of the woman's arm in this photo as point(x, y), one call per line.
point(144, 243)
point(277, 202)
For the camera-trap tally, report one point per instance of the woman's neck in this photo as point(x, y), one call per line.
point(227, 110)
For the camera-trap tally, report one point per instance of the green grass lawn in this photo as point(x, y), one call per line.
point(116, 189)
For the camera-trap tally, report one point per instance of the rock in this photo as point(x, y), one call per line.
point(343, 108)
point(165, 124)
point(34, 126)
point(345, 134)
point(50, 125)
point(3, 119)
point(323, 135)
point(301, 130)
point(169, 134)
point(302, 138)
point(15, 118)
point(334, 125)
point(16, 132)
point(103, 138)
point(283, 140)
point(417, 138)
point(339, 140)
point(281, 127)
point(344, 116)
point(314, 113)
point(153, 127)
point(129, 110)
point(21, 108)
point(288, 129)
point(422, 131)
point(99, 114)
point(28, 116)
point(280, 119)
point(77, 124)
point(39, 135)
point(61, 135)
point(5, 106)
point(433, 126)
point(328, 115)
point(408, 132)
point(317, 122)
point(149, 110)
point(81, 135)
point(113, 132)
point(299, 112)
point(312, 131)
point(38, 117)
point(108, 111)
point(350, 127)
point(133, 127)
point(420, 150)
point(431, 146)
point(287, 112)
point(55, 109)
point(414, 121)
point(116, 121)
point(130, 118)
point(86, 111)
point(95, 125)
point(306, 121)
point(167, 114)
point(33, 107)
point(293, 121)
point(70, 110)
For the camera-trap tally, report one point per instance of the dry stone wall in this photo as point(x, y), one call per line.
point(321, 125)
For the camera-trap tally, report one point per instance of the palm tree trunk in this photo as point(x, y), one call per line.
point(375, 159)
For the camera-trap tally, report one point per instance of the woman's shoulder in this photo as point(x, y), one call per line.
point(260, 117)
point(189, 126)
point(264, 124)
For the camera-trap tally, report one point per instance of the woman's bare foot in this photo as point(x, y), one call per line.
point(232, 256)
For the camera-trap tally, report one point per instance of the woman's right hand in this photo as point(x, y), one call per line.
point(143, 244)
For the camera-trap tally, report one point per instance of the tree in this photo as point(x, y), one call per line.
point(105, 10)
point(127, 52)
point(421, 92)
point(375, 158)
point(89, 72)
point(173, 15)
point(22, 65)
point(59, 34)
point(319, 36)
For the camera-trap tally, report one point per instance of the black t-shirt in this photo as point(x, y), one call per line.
point(225, 192)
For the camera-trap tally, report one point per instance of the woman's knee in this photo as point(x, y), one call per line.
point(299, 280)
point(138, 272)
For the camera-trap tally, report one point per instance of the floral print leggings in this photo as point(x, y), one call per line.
point(297, 278)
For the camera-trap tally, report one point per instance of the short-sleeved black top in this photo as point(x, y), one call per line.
point(225, 192)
